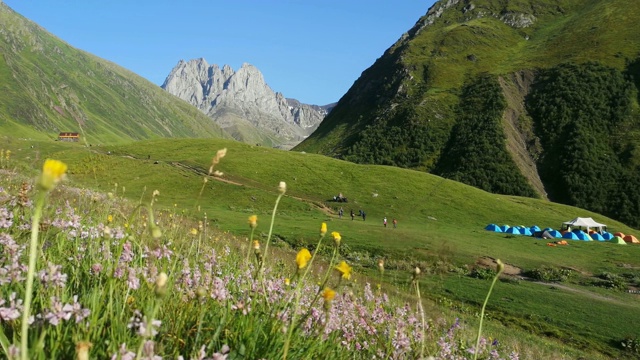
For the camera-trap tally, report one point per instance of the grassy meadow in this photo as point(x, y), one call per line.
point(218, 303)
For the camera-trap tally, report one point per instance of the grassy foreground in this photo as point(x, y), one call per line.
point(439, 230)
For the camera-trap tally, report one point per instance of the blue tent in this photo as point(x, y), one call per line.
point(493, 227)
point(504, 228)
point(607, 235)
point(555, 233)
point(570, 235)
point(513, 230)
point(526, 231)
point(583, 236)
point(534, 228)
point(596, 236)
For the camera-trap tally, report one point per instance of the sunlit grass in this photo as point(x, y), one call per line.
point(439, 235)
point(130, 285)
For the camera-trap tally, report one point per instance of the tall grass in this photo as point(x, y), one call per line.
point(113, 281)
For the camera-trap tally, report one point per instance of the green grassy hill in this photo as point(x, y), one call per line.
point(440, 227)
point(557, 80)
point(47, 86)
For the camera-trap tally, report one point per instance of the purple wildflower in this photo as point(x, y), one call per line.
point(123, 354)
point(52, 276)
point(6, 218)
point(77, 310)
point(148, 351)
point(133, 281)
point(13, 311)
point(57, 313)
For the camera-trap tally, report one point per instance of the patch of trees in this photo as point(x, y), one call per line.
point(404, 139)
point(476, 152)
point(582, 116)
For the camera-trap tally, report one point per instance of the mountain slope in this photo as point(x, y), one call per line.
point(412, 107)
point(243, 104)
point(47, 86)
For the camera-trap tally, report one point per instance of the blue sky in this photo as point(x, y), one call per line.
point(309, 50)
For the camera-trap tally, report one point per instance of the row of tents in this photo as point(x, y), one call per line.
point(576, 234)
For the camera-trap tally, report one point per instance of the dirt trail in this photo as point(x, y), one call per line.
point(326, 210)
point(516, 272)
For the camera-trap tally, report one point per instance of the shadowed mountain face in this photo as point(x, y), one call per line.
point(47, 87)
point(532, 98)
point(243, 104)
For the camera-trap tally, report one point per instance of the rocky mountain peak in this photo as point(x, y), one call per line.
point(242, 103)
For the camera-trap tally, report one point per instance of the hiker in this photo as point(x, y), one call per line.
point(352, 214)
point(395, 223)
point(340, 212)
point(384, 221)
point(364, 216)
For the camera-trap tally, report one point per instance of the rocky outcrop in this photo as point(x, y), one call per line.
point(241, 100)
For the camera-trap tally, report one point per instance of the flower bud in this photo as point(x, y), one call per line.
point(53, 171)
point(282, 187)
point(336, 238)
point(500, 266)
point(253, 221)
point(156, 232)
point(82, 350)
point(161, 284)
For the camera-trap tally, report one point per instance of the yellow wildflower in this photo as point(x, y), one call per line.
point(253, 221)
point(323, 229)
point(344, 269)
point(110, 218)
point(302, 258)
point(52, 172)
point(193, 231)
point(287, 281)
point(256, 245)
point(328, 295)
point(336, 237)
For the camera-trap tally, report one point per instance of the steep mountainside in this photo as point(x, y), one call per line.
point(47, 87)
point(243, 104)
point(525, 97)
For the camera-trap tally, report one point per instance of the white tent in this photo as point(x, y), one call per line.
point(583, 223)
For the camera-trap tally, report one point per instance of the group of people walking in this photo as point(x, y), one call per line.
point(394, 222)
point(364, 217)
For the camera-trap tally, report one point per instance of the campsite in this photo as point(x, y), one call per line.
point(584, 229)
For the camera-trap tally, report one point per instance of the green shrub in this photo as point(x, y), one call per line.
point(483, 273)
point(550, 274)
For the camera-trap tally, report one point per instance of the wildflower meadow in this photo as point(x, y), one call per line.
point(87, 275)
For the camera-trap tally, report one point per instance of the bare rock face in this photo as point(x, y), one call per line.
point(242, 103)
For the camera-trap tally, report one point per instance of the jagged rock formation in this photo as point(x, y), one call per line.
point(243, 104)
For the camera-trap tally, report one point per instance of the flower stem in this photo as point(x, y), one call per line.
point(299, 285)
point(266, 247)
point(28, 296)
point(486, 300)
point(421, 309)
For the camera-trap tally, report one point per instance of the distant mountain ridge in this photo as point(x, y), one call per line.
point(530, 98)
point(47, 86)
point(243, 104)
